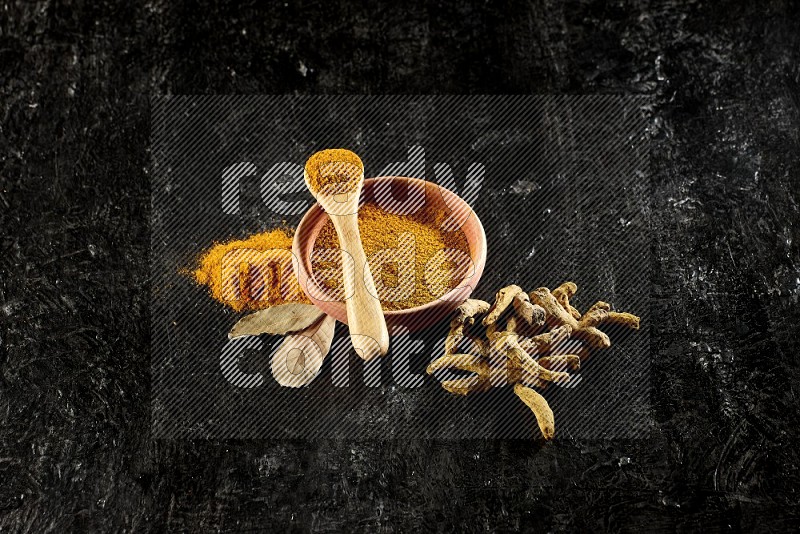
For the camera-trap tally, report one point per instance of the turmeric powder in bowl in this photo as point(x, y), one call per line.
point(412, 259)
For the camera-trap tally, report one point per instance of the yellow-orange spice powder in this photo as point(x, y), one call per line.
point(334, 171)
point(380, 229)
point(212, 263)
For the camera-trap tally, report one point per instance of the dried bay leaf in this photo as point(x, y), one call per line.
point(281, 319)
point(299, 358)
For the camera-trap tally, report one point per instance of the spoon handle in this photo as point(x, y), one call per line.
point(364, 313)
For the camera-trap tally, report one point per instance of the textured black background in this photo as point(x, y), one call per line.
point(75, 450)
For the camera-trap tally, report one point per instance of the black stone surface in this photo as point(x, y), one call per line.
point(75, 451)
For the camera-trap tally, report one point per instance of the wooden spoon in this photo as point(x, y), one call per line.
point(299, 357)
point(335, 178)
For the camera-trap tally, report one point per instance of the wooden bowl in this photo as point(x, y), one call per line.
point(411, 319)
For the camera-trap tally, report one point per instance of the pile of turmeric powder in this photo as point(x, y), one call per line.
point(409, 278)
point(253, 273)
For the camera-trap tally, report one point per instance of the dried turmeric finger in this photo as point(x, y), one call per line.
point(561, 361)
point(541, 410)
point(508, 343)
point(465, 316)
point(492, 331)
point(567, 289)
point(559, 334)
point(554, 312)
point(532, 368)
point(502, 301)
point(504, 370)
point(563, 293)
point(511, 325)
point(453, 338)
point(544, 342)
point(532, 380)
point(594, 315)
point(465, 386)
point(599, 305)
point(540, 343)
point(594, 337)
point(533, 314)
point(469, 309)
point(463, 362)
point(529, 330)
point(483, 345)
point(623, 319)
